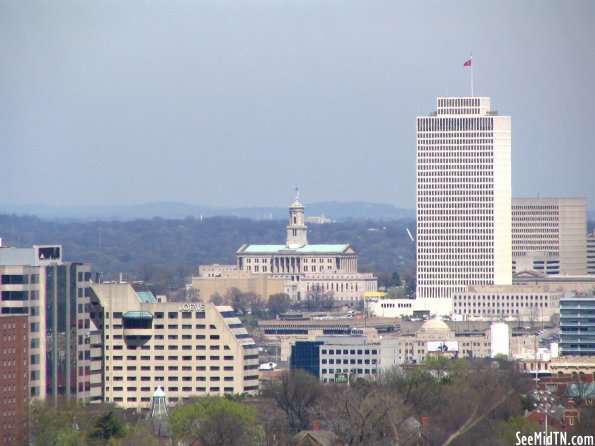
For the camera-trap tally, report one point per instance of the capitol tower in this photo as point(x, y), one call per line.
point(463, 200)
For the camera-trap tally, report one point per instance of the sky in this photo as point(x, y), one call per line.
point(232, 103)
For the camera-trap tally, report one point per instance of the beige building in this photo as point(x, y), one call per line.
point(436, 338)
point(557, 283)
point(187, 349)
point(549, 235)
point(308, 269)
point(218, 279)
point(507, 302)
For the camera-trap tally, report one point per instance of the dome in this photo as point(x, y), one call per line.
point(435, 328)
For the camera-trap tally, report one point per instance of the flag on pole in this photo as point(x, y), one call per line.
point(468, 62)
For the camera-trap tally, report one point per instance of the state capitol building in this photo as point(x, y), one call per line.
point(307, 269)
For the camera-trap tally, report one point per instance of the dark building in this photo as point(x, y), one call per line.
point(14, 379)
point(305, 355)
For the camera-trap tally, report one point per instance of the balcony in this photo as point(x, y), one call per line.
point(137, 326)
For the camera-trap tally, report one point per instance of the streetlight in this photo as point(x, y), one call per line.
point(544, 404)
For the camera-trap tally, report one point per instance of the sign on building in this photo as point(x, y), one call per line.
point(342, 378)
point(443, 346)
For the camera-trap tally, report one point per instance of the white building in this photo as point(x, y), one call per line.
point(308, 269)
point(356, 355)
point(463, 200)
point(379, 305)
point(549, 235)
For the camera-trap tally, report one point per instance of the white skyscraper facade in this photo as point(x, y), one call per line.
point(463, 207)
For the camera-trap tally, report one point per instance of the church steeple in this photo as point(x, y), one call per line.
point(297, 231)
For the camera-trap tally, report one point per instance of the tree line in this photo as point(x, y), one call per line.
point(442, 402)
point(166, 252)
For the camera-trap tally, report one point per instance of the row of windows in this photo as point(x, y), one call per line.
point(174, 358)
point(430, 162)
point(497, 304)
point(392, 305)
point(348, 361)
point(132, 399)
point(433, 124)
point(169, 378)
point(358, 371)
point(348, 352)
point(503, 297)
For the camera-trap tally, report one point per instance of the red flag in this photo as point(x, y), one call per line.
point(468, 62)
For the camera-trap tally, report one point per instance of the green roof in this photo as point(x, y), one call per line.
point(308, 249)
point(146, 296)
point(138, 315)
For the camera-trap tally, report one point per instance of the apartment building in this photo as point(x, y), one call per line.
point(14, 378)
point(186, 349)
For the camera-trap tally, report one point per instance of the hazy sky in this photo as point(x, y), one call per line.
point(233, 102)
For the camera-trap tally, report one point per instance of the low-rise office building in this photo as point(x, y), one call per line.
point(332, 358)
point(436, 338)
point(282, 334)
point(379, 305)
point(507, 302)
point(187, 349)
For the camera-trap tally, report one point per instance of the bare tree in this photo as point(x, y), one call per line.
point(296, 394)
point(363, 414)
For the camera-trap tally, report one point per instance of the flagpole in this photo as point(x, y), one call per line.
point(471, 57)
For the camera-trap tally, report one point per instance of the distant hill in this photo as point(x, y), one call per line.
point(176, 210)
point(167, 251)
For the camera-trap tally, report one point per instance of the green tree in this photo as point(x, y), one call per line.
point(215, 421)
point(51, 427)
point(507, 434)
point(106, 426)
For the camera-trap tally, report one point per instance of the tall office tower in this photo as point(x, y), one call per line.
point(549, 235)
point(463, 201)
point(55, 296)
